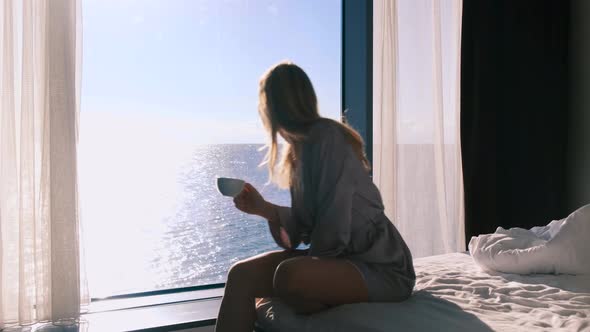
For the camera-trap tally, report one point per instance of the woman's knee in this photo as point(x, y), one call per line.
point(288, 279)
point(239, 273)
point(290, 285)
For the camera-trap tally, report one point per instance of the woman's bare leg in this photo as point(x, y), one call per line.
point(311, 284)
point(247, 280)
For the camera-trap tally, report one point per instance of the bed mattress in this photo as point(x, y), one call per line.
point(453, 294)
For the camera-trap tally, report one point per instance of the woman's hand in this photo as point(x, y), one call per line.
point(250, 201)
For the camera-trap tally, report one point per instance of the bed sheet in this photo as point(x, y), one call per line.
point(453, 294)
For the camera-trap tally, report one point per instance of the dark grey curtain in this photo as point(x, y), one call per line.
point(514, 112)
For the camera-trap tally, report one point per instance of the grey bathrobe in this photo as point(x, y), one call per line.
point(337, 208)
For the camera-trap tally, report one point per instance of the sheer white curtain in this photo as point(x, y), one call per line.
point(417, 156)
point(40, 276)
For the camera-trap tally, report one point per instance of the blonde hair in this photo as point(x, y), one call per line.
point(288, 105)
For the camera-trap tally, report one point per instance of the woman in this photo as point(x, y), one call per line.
point(355, 254)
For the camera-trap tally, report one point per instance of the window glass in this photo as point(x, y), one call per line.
point(169, 102)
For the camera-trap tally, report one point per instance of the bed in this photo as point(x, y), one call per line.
point(453, 294)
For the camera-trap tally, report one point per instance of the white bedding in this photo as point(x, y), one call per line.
point(560, 247)
point(453, 294)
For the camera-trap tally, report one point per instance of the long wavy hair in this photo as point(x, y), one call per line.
point(288, 106)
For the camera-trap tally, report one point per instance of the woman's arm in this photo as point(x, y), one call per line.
point(282, 225)
point(276, 216)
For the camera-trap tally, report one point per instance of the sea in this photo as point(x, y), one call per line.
point(148, 234)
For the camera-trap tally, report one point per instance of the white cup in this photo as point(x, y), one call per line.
point(229, 186)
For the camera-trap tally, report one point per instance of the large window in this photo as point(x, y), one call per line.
point(169, 100)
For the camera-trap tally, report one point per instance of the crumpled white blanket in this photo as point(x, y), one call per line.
point(561, 247)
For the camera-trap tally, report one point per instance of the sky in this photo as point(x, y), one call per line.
point(187, 70)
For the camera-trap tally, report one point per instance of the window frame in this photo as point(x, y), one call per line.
point(357, 69)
